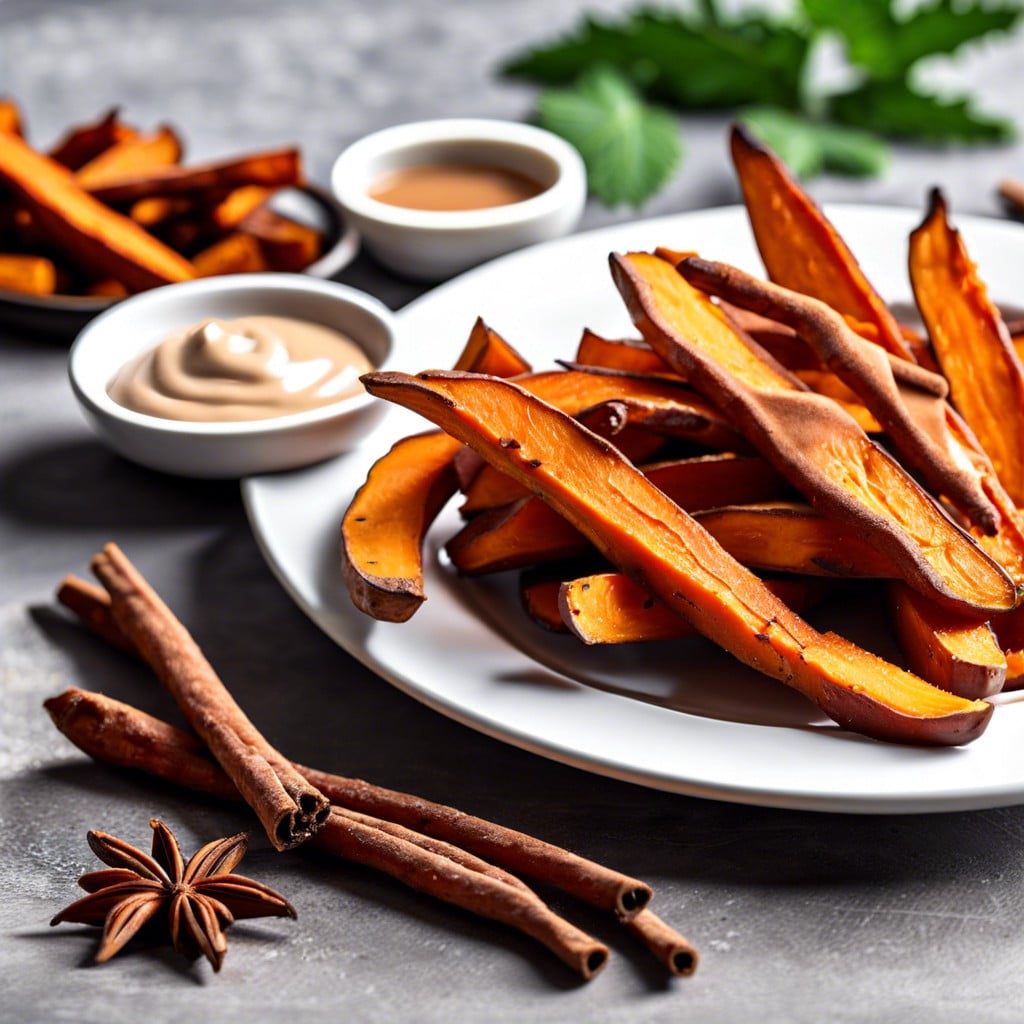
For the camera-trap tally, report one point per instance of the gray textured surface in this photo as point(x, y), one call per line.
point(800, 917)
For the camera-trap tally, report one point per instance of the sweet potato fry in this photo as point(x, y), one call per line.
point(384, 525)
point(230, 211)
point(868, 371)
point(814, 444)
point(34, 275)
point(593, 350)
point(956, 654)
point(90, 232)
point(157, 210)
point(487, 351)
point(539, 598)
point(651, 539)
point(85, 142)
point(800, 247)
point(383, 528)
point(491, 488)
point(971, 343)
point(609, 608)
point(286, 244)
point(273, 167)
point(234, 254)
point(774, 536)
point(10, 117)
point(108, 287)
point(578, 391)
point(137, 155)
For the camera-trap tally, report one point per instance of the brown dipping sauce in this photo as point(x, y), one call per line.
point(453, 187)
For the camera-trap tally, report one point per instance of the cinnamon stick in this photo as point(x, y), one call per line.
point(672, 949)
point(289, 808)
point(516, 851)
point(118, 734)
point(447, 879)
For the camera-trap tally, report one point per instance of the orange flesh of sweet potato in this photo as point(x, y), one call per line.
point(491, 488)
point(956, 654)
point(10, 117)
point(790, 537)
point(131, 156)
point(816, 446)
point(609, 608)
point(776, 536)
point(34, 275)
point(593, 350)
point(800, 247)
point(107, 286)
point(576, 391)
point(971, 344)
point(157, 210)
point(870, 372)
point(487, 351)
point(92, 233)
point(383, 527)
point(86, 141)
point(527, 531)
point(539, 599)
point(647, 536)
point(234, 254)
point(230, 211)
point(273, 167)
point(287, 245)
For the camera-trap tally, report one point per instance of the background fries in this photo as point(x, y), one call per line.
point(110, 210)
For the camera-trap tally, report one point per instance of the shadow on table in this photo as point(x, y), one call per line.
point(81, 483)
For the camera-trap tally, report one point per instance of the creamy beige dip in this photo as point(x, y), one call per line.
point(453, 187)
point(252, 368)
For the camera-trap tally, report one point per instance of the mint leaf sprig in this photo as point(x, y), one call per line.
point(630, 149)
point(756, 64)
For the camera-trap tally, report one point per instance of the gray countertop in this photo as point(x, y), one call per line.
point(799, 916)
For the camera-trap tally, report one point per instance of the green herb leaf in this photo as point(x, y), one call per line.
point(896, 109)
point(630, 149)
point(886, 46)
point(811, 147)
point(689, 61)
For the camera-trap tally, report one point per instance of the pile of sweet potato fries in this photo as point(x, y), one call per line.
point(763, 439)
point(111, 210)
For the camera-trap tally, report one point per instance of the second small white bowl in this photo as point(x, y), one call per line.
point(227, 449)
point(431, 245)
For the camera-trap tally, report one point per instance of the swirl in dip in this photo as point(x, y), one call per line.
point(252, 368)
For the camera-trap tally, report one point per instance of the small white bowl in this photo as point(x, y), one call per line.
point(227, 449)
point(432, 245)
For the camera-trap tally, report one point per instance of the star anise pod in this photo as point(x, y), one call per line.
point(200, 898)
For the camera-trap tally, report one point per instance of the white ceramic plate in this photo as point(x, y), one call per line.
point(677, 716)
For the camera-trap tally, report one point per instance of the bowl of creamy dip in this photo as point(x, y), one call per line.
point(433, 198)
point(230, 376)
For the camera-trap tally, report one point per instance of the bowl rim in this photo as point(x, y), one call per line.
point(350, 191)
point(100, 404)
